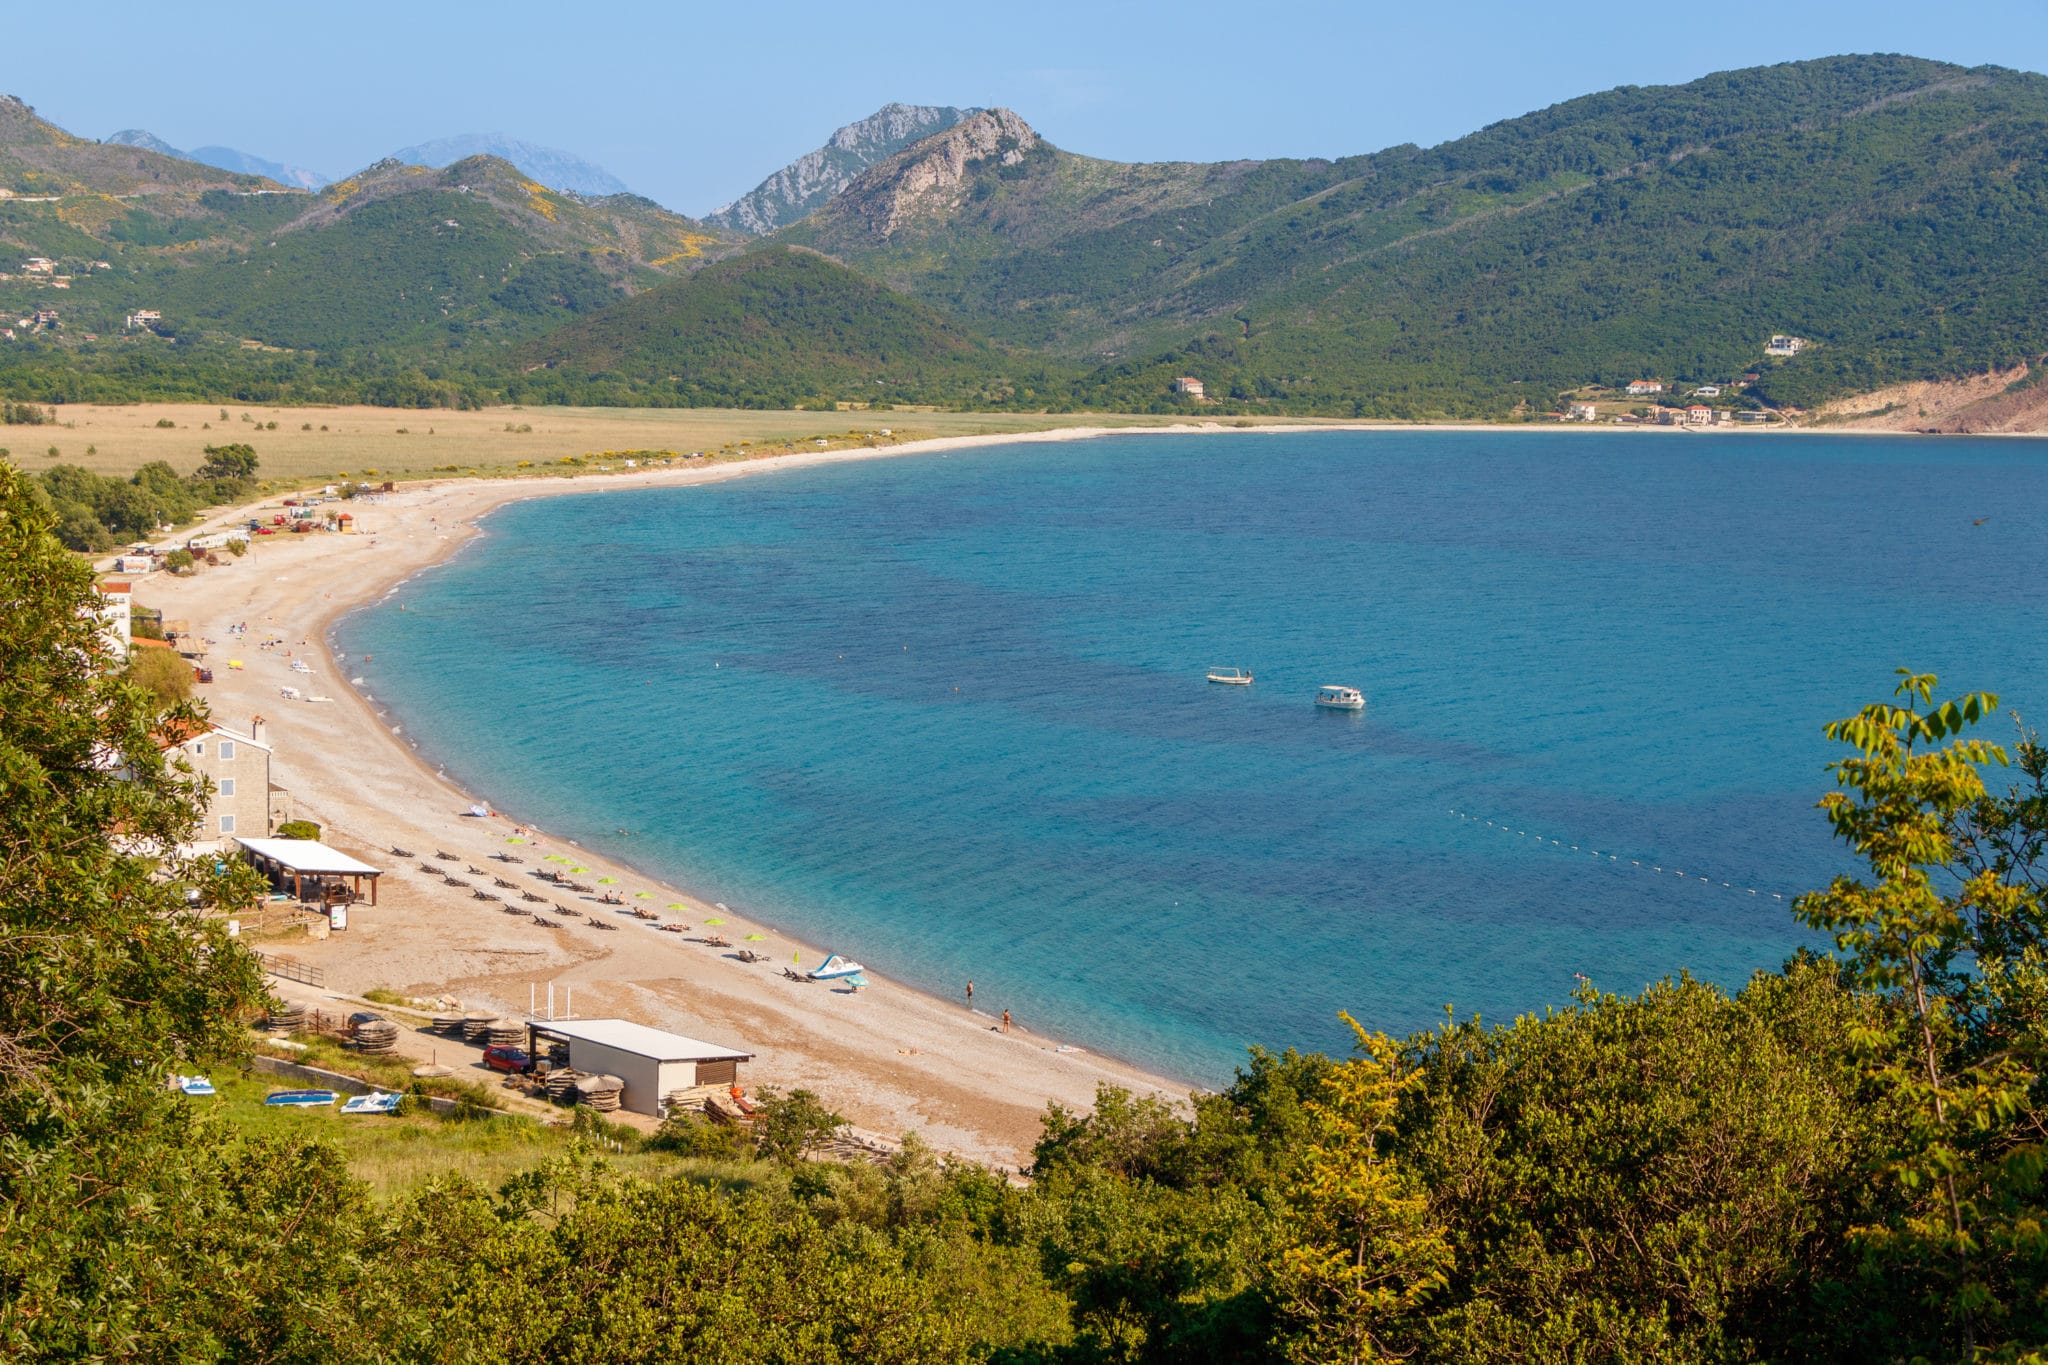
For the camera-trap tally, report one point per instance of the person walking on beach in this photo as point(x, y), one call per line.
point(1006, 1021)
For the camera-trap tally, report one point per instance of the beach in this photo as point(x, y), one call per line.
point(891, 1059)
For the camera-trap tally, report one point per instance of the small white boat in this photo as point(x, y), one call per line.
point(195, 1085)
point(1230, 677)
point(1340, 698)
point(835, 968)
point(301, 1099)
point(378, 1103)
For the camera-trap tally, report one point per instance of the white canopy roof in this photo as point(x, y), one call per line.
point(308, 856)
point(639, 1039)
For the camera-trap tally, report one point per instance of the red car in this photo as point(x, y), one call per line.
point(507, 1059)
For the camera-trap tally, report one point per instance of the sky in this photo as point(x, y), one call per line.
point(692, 105)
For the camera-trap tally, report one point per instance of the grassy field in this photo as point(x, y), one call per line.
point(319, 443)
point(401, 1152)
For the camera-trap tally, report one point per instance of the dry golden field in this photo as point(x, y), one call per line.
point(318, 443)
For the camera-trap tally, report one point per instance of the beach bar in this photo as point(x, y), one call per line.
point(296, 862)
point(654, 1064)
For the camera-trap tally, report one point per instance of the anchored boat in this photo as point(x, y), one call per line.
point(1340, 698)
point(1230, 677)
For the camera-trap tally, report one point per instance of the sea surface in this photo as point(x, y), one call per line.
point(946, 713)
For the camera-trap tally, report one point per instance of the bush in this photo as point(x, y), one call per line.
point(693, 1135)
point(789, 1126)
point(301, 829)
point(238, 548)
point(161, 672)
point(165, 423)
point(179, 561)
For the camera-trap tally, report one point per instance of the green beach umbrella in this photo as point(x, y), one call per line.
point(756, 938)
point(714, 921)
point(579, 869)
point(514, 839)
point(606, 881)
point(642, 895)
point(677, 905)
point(554, 858)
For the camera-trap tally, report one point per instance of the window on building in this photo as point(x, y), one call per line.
point(227, 786)
point(199, 748)
point(227, 824)
point(227, 749)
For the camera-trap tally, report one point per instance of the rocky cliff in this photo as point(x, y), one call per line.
point(815, 177)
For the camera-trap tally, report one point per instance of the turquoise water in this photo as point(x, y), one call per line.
point(946, 714)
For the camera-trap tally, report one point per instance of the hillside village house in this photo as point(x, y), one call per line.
point(116, 611)
point(1584, 412)
point(244, 801)
point(1640, 387)
point(1189, 385)
point(1784, 345)
point(1699, 415)
point(144, 317)
point(1707, 391)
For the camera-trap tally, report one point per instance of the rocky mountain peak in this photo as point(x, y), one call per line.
point(935, 176)
point(813, 178)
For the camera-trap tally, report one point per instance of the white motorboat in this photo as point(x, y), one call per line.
point(1231, 677)
point(835, 968)
point(1340, 698)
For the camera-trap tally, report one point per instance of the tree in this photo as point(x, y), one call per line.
point(1363, 1252)
point(106, 984)
point(235, 461)
point(179, 560)
point(298, 829)
point(787, 1127)
point(163, 673)
point(1938, 953)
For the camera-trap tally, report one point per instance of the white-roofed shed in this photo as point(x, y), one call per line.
point(652, 1062)
point(298, 860)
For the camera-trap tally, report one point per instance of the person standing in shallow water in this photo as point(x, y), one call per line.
point(970, 993)
point(1006, 1021)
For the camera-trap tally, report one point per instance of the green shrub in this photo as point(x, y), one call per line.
point(302, 829)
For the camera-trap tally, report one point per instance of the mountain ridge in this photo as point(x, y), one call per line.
point(551, 166)
point(226, 158)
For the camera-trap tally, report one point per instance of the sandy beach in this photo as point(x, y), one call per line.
point(890, 1058)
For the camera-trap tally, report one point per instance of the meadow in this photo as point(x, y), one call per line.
point(310, 443)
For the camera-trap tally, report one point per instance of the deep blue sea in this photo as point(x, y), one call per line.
point(947, 715)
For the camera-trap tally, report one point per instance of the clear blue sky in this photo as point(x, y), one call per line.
point(693, 104)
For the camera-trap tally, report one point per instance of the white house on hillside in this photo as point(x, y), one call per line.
point(1784, 345)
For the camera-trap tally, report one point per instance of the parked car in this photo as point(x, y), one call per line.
point(507, 1059)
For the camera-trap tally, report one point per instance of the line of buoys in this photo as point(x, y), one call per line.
point(1614, 858)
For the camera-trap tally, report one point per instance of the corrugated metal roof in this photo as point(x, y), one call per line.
point(638, 1039)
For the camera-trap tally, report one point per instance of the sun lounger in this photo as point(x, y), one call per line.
point(445, 855)
point(398, 852)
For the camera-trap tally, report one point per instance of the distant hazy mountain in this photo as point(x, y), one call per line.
point(557, 169)
point(226, 158)
point(149, 142)
point(815, 177)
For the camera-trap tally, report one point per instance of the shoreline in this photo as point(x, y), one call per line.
point(894, 1058)
point(968, 1089)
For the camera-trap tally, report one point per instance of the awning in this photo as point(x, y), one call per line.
point(308, 857)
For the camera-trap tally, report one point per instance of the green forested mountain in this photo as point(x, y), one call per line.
point(1890, 210)
point(773, 328)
